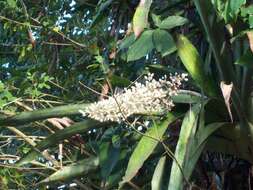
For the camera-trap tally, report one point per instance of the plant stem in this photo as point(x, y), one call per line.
point(26, 117)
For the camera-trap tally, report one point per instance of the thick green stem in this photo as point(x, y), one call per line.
point(225, 69)
point(26, 117)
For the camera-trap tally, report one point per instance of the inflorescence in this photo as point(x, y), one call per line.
point(151, 96)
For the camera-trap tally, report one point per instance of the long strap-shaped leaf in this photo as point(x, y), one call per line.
point(145, 147)
point(182, 150)
point(190, 145)
point(81, 168)
point(60, 135)
point(27, 117)
point(195, 66)
point(158, 174)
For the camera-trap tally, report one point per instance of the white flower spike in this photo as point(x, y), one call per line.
point(152, 96)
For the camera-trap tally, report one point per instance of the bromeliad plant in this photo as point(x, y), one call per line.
point(215, 115)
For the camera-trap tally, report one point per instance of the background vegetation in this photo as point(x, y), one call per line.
point(57, 57)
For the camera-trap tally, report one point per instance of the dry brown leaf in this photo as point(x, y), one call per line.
point(226, 92)
point(250, 36)
point(60, 123)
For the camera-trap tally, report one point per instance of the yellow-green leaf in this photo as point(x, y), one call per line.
point(194, 65)
point(140, 19)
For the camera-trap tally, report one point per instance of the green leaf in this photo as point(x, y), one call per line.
point(141, 47)
point(246, 11)
point(251, 21)
point(12, 3)
point(172, 22)
point(183, 148)
point(246, 59)
point(145, 147)
point(192, 140)
point(127, 41)
point(158, 174)
point(194, 65)
point(117, 81)
point(81, 168)
point(235, 5)
point(164, 42)
point(156, 19)
point(187, 97)
point(53, 139)
point(232, 9)
point(140, 18)
point(108, 157)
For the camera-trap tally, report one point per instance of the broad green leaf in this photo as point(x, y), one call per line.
point(164, 42)
point(172, 22)
point(108, 157)
point(246, 60)
point(140, 19)
point(236, 5)
point(126, 42)
point(117, 81)
point(245, 11)
point(145, 147)
point(194, 65)
point(183, 148)
point(53, 139)
point(12, 3)
point(232, 8)
point(158, 174)
point(81, 168)
point(141, 47)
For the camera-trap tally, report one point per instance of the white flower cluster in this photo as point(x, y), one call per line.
point(152, 96)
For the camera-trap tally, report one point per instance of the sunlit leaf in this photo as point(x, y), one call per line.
point(194, 65)
point(146, 146)
point(140, 19)
point(158, 174)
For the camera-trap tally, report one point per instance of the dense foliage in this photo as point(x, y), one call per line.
point(59, 57)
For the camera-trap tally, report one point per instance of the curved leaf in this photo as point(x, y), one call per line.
point(140, 19)
point(194, 65)
point(172, 22)
point(158, 174)
point(145, 147)
point(81, 168)
point(183, 148)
